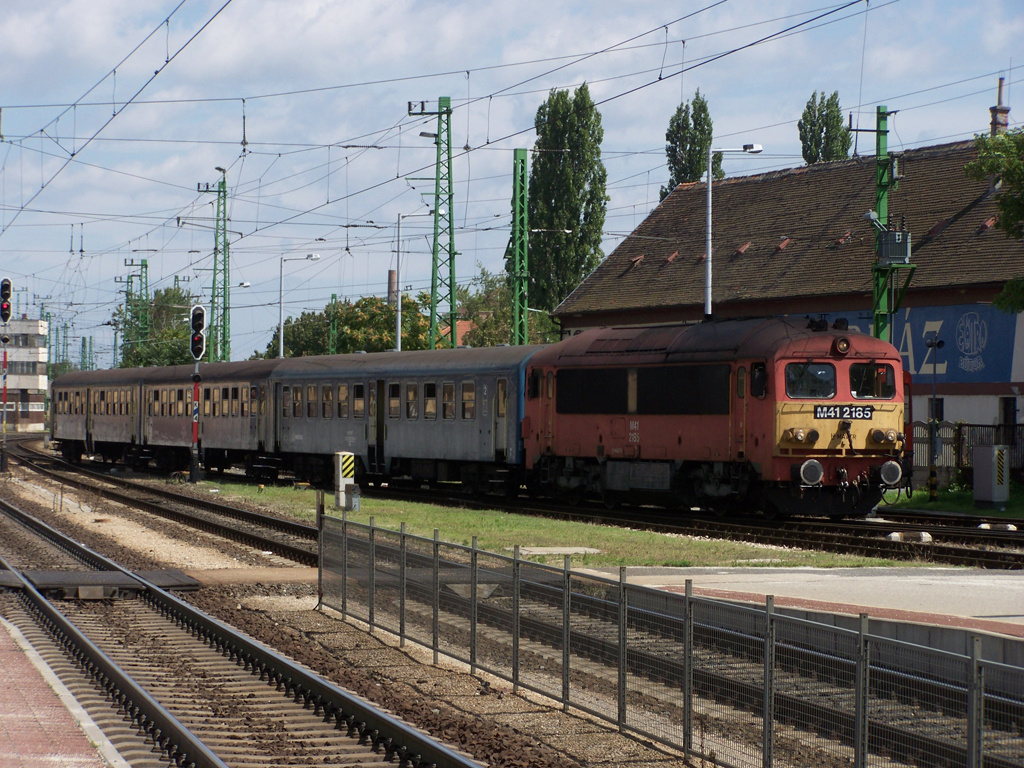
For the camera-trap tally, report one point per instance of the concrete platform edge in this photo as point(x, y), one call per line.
point(92, 732)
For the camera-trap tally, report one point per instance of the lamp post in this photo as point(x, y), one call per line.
point(398, 273)
point(934, 344)
point(751, 149)
point(280, 299)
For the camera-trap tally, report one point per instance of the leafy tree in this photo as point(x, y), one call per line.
point(1002, 156)
point(490, 310)
point(822, 133)
point(567, 200)
point(167, 340)
point(689, 135)
point(367, 324)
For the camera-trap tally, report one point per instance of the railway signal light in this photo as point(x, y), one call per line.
point(5, 299)
point(198, 322)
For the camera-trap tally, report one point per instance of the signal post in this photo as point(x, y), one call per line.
point(197, 345)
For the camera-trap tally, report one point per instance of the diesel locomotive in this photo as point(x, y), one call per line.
point(781, 415)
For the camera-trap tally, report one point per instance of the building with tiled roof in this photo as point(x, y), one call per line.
point(797, 241)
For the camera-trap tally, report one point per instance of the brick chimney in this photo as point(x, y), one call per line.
point(1000, 114)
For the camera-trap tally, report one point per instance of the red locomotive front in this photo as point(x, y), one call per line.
point(771, 414)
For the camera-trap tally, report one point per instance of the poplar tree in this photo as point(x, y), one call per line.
point(567, 200)
point(1001, 157)
point(689, 135)
point(822, 134)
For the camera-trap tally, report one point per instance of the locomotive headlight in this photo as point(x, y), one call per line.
point(890, 436)
point(841, 345)
point(799, 435)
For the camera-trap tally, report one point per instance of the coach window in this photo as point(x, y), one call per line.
point(500, 399)
point(246, 393)
point(311, 403)
point(327, 398)
point(741, 382)
point(447, 401)
point(188, 402)
point(297, 402)
point(165, 406)
point(234, 400)
point(412, 401)
point(468, 400)
point(206, 401)
point(286, 401)
point(216, 402)
point(153, 404)
point(102, 402)
point(430, 401)
point(343, 401)
point(358, 401)
point(810, 380)
point(394, 401)
point(225, 401)
point(181, 402)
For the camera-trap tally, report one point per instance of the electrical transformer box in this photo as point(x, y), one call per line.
point(894, 248)
point(991, 475)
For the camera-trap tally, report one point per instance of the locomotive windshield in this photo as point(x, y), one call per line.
point(811, 380)
point(875, 381)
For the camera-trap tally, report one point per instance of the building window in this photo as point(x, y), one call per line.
point(937, 408)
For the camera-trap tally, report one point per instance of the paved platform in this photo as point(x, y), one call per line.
point(41, 724)
point(971, 599)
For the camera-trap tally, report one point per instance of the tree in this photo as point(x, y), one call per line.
point(489, 309)
point(366, 325)
point(822, 133)
point(567, 200)
point(1002, 156)
point(167, 342)
point(689, 135)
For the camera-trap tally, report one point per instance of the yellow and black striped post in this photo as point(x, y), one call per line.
point(345, 480)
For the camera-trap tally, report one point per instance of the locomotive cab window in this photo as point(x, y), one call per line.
point(872, 381)
point(758, 380)
point(533, 388)
point(810, 380)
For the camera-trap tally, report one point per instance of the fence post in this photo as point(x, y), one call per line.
point(344, 564)
point(566, 635)
point(688, 670)
point(769, 681)
point(975, 704)
point(860, 717)
point(371, 575)
point(515, 619)
point(319, 549)
point(434, 628)
point(474, 581)
point(623, 621)
point(401, 585)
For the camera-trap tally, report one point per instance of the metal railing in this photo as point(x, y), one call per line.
point(956, 443)
point(727, 683)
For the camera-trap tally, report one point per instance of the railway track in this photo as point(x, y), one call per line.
point(194, 690)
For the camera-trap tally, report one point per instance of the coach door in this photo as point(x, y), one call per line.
point(500, 431)
point(89, 407)
point(376, 427)
point(738, 415)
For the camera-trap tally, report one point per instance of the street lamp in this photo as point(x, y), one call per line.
point(750, 149)
point(280, 299)
point(398, 275)
point(934, 344)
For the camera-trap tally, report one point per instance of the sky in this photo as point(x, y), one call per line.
point(115, 115)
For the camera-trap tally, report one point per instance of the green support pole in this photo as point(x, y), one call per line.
point(332, 340)
point(518, 250)
point(881, 274)
point(142, 300)
point(442, 280)
point(220, 295)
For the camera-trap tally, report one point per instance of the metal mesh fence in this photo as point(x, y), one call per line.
point(731, 685)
